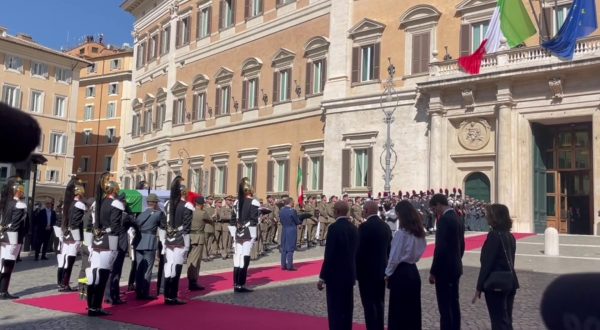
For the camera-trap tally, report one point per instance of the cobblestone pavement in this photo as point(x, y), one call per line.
point(578, 254)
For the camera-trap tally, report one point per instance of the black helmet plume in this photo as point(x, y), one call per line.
point(175, 196)
point(104, 179)
point(69, 198)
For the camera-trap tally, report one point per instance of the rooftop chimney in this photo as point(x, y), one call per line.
point(25, 37)
point(3, 31)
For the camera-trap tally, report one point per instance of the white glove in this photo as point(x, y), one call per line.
point(186, 242)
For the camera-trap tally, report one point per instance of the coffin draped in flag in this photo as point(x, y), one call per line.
point(581, 21)
point(510, 21)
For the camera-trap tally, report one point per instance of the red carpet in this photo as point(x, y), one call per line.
point(210, 315)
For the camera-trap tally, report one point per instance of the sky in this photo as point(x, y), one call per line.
point(64, 23)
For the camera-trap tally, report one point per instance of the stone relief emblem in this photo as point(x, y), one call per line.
point(474, 134)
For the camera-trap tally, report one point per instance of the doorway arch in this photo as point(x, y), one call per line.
point(477, 185)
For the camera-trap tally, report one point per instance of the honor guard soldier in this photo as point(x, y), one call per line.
point(197, 240)
point(14, 217)
point(243, 229)
point(108, 213)
point(176, 239)
point(72, 231)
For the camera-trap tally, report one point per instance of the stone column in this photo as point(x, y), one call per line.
point(596, 169)
point(338, 68)
point(504, 136)
point(436, 112)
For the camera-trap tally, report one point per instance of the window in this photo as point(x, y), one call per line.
point(113, 89)
point(248, 171)
point(250, 94)
point(253, 8)
point(95, 50)
point(315, 173)
point(52, 176)
point(560, 13)
point(478, 31)
point(283, 85)
point(365, 63)
point(196, 179)
point(92, 68)
point(315, 77)
point(183, 31)
point(284, 2)
point(204, 21)
point(108, 163)
point(64, 75)
point(141, 55)
point(165, 40)
point(87, 137)
point(11, 95)
point(90, 91)
point(85, 164)
point(37, 102)
point(58, 143)
point(135, 125)
point(88, 112)
point(115, 64)
point(153, 50)
point(110, 135)
point(39, 69)
point(421, 43)
point(223, 96)
point(60, 106)
point(281, 175)
point(13, 63)
point(361, 168)
point(148, 120)
point(199, 111)
point(179, 111)
point(220, 180)
point(3, 174)
point(161, 114)
point(227, 14)
point(111, 110)
point(366, 56)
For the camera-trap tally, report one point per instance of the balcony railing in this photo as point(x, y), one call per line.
point(515, 58)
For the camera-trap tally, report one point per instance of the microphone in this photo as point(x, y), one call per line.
point(19, 132)
point(572, 302)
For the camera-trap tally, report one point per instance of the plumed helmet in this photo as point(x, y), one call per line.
point(13, 186)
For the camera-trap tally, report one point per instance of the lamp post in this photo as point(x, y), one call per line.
point(388, 107)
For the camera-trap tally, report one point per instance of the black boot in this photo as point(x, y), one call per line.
point(59, 277)
point(236, 274)
point(9, 266)
point(243, 274)
point(67, 275)
point(175, 288)
point(103, 275)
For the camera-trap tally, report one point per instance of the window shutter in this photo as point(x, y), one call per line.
point(218, 102)
point(246, 9)
point(225, 174)
point(270, 166)
point(245, 93)
point(355, 64)
point(304, 172)
point(425, 51)
point(416, 53)
point(178, 34)
point(321, 173)
point(346, 168)
point(323, 74)
point(64, 145)
point(189, 29)
point(289, 84)
point(547, 26)
point(174, 119)
point(212, 180)
point(286, 179)
point(308, 88)
point(376, 58)
point(370, 167)
point(465, 39)
point(256, 89)
point(275, 87)
point(209, 20)
point(221, 9)
point(253, 179)
point(47, 175)
point(41, 148)
point(183, 111)
point(18, 98)
point(233, 12)
point(195, 107)
point(240, 172)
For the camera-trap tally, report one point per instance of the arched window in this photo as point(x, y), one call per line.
point(477, 185)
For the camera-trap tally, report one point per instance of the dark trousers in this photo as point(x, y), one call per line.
point(41, 241)
point(500, 306)
point(161, 268)
point(405, 298)
point(340, 304)
point(115, 276)
point(143, 276)
point(287, 259)
point(448, 303)
point(372, 296)
point(132, 272)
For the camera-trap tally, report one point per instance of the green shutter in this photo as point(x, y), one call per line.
point(539, 180)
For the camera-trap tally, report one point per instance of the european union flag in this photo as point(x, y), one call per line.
point(580, 22)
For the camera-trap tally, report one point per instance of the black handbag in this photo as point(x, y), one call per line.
point(501, 280)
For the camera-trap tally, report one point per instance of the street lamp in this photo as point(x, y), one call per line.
point(388, 107)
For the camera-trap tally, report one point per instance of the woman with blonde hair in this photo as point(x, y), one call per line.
point(497, 277)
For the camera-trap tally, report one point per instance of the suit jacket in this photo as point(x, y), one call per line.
point(148, 223)
point(449, 248)
point(40, 220)
point(493, 257)
point(290, 222)
point(374, 241)
point(339, 264)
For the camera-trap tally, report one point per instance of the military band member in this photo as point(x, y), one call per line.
point(197, 240)
point(14, 217)
point(107, 219)
point(72, 230)
point(224, 219)
point(148, 223)
point(243, 227)
point(176, 239)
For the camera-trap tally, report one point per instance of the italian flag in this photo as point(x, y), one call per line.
point(510, 21)
point(299, 185)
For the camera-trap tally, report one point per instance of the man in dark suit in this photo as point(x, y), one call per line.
point(338, 272)
point(374, 239)
point(145, 250)
point(289, 222)
point(447, 261)
point(43, 222)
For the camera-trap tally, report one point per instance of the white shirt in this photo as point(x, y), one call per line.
point(405, 248)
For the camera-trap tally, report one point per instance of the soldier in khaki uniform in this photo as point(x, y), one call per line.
point(225, 213)
point(357, 211)
point(330, 214)
point(273, 222)
point(209, 230)
point(300, 230)
point(264, 226)
point(322, 207)
point(312, 222)
point(279, 206)
point(197, 240)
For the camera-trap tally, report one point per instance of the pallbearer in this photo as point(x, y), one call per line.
point(176, 239)
point(72, 230)
point(243, 228)
point(13, 211)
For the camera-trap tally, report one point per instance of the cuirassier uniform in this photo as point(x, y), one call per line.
point(14, 217)
point(243, 229)
point(71, 241)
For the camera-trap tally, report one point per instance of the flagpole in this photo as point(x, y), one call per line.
point(537, 20)
point(542, 2)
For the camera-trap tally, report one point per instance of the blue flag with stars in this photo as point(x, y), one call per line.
point(580, 22)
